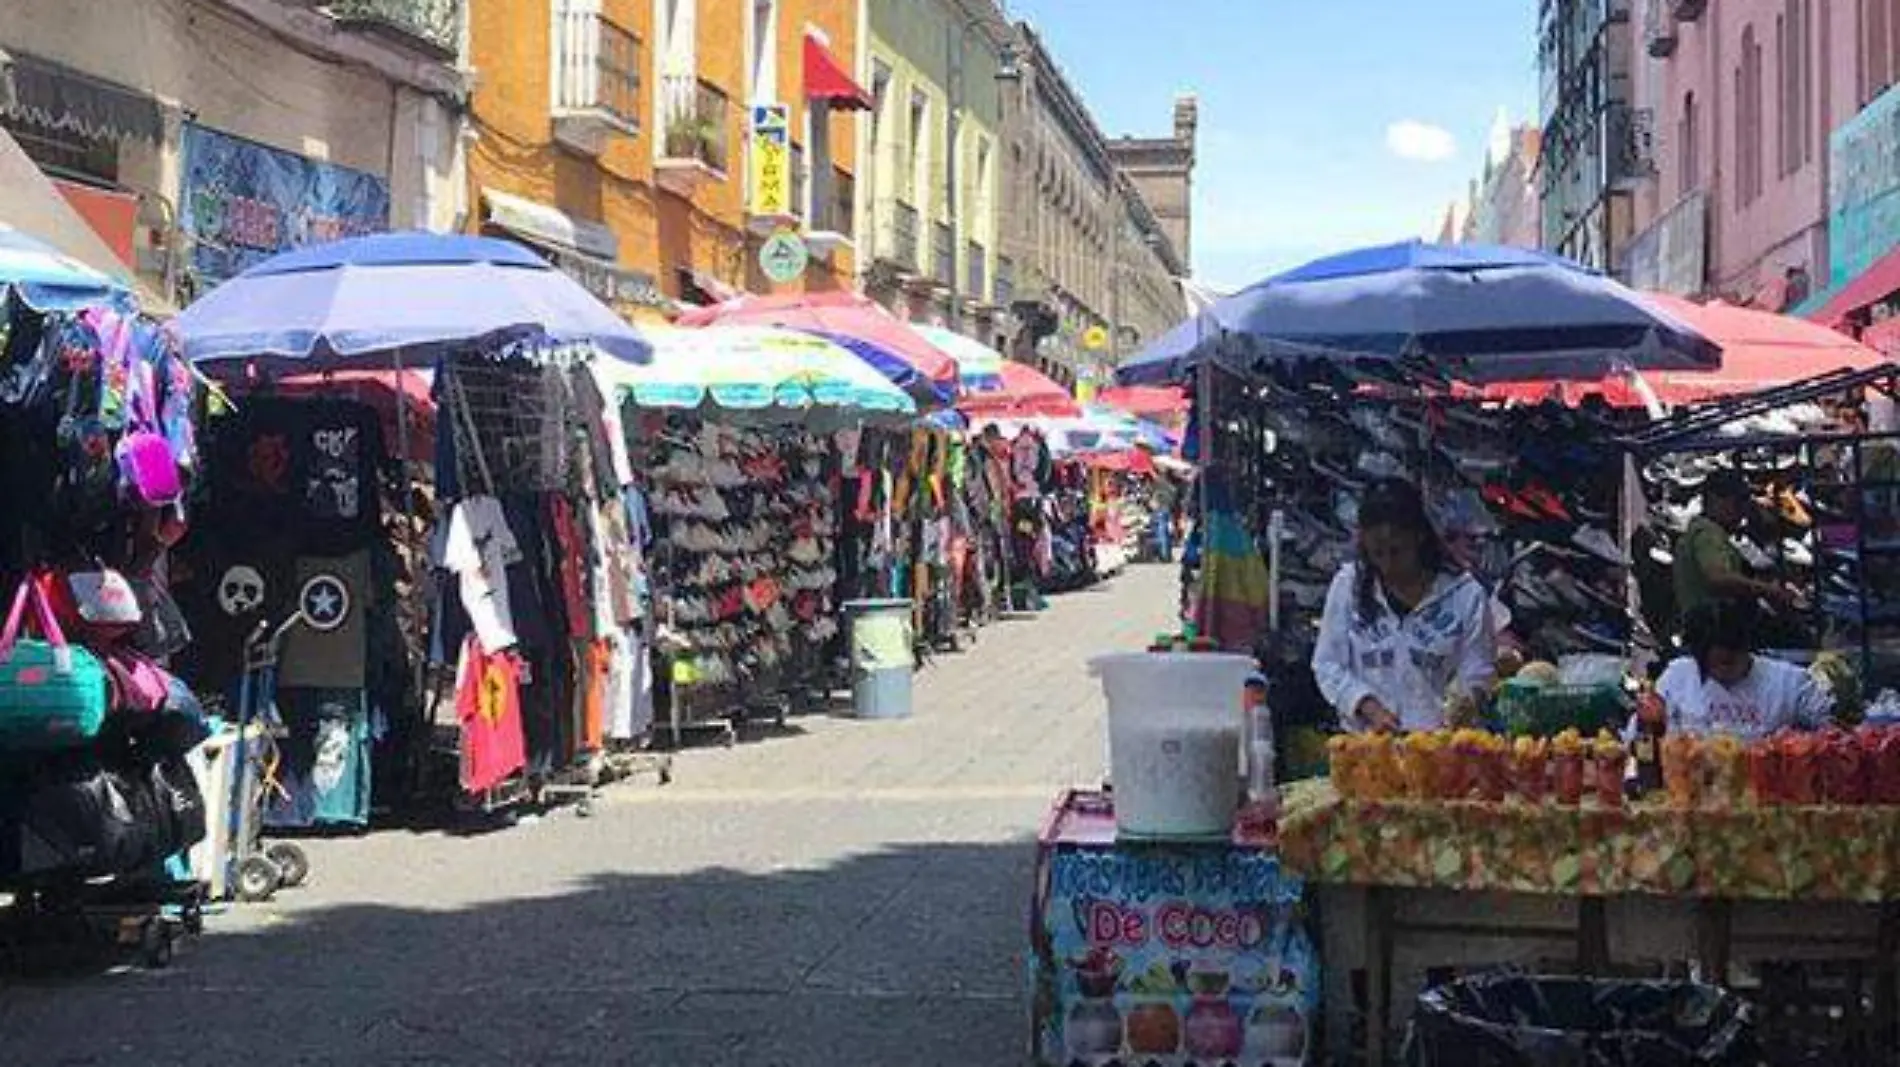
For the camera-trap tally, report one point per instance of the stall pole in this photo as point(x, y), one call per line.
point(1276, 524)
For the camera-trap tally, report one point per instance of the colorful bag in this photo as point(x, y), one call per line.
point(147, 469)
point(52, 695)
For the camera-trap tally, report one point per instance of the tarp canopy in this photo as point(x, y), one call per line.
point(1760, 350)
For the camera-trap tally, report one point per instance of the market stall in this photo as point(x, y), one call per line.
point(512, 502)
point(99, 422)
point(740, 438)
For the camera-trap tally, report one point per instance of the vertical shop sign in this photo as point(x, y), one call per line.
point(1863, 220)
point(771, 160)
point(242, 202)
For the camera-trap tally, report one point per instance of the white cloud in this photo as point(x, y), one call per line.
point(1420, 141)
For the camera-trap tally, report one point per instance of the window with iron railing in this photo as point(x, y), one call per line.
point(976, 268)
point(599, 66)
point(834, 208)
point(904, 234)
point(1005, 280)
point(943, 246)
point(695, 115)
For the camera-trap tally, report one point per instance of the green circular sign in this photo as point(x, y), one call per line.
point(784, 256)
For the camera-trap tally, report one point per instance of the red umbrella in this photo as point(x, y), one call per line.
point(1025, 392)
point(1128, 461)
point(1161, 403)
point(1760, 350)
point(851, 315)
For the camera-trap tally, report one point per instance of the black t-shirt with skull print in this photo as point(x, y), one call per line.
point(307, 467)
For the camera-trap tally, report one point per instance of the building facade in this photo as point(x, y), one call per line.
point(1504, 202)
point(1595, 144)
point(1162, 170)
point(199, 136)
point(928, 220)
point(622, 138)
point(1099, 274)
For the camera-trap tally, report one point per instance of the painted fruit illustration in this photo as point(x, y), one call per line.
point(1276, 1032)
point(1213, 1028)
point(1154, 1028)
point(1094, 1029)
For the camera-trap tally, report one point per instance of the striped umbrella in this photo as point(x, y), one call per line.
point(979, 367)
point(761, 369)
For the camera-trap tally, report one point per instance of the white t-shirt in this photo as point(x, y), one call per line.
point(1407, 663)
point(1775, 695)
point(479, 549)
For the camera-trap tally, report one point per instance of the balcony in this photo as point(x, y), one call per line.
point(1630, 149)
point(904, 237)
point(976, 273)
point(695, 149)
point(834, 203)
point(943, 260)
point(431, 26)
point(1005, 281)
point(596, 81)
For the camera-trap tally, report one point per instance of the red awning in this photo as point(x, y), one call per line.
point(826, 79)
point(1024, 392)
point(1876, 283)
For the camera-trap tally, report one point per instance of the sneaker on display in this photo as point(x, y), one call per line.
point(1597, 542)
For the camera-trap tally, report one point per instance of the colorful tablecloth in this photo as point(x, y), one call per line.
point(1807, 853)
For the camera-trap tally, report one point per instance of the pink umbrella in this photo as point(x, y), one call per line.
point(840, 314)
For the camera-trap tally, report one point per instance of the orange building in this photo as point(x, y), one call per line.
point(615, 136)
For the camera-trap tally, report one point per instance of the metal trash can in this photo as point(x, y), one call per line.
point(881, 658)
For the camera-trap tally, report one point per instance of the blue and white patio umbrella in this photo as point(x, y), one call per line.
point(771, 372)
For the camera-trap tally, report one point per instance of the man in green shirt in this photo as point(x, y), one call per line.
point(1708, 566)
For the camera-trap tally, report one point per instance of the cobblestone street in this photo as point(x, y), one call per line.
point(840, 893)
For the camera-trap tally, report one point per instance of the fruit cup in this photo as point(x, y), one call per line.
point(1725, 772)
point(1682, 770)
point(1530, 769)
point(1764, 773)
point(1800, 768)
point(1611, 761)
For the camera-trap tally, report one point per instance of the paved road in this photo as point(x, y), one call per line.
point(847, 894)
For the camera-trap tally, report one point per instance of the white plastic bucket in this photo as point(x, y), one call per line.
point(1174, 731)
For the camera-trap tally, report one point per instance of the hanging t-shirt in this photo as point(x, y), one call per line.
point(325, 772)
point(337, 455)
point(572, 566)
point(329, 649)
point(488, 705)
point(1775, 695)
point(479, 549)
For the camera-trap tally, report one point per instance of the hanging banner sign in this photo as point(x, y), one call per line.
point(771, 160)
point(242, 202)
point(1863, 220)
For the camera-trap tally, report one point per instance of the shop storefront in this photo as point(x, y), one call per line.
point(1672, 255)
point(241, 202)
point(586, 251)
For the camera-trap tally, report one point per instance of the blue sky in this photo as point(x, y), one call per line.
point(1325, 124)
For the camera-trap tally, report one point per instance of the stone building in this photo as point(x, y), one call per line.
point(1098, 271)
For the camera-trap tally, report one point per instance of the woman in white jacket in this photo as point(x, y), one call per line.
point(1403, 627)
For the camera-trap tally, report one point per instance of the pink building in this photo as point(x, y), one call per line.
point(1741, 99)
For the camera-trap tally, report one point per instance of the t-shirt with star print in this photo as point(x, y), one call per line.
point(330, 649)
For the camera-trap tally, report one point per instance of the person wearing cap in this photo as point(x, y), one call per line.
point(1707, 565)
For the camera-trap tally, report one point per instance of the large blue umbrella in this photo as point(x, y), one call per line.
point(1473, 312)
point(373, 295)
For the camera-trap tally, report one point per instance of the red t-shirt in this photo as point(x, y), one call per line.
point(488, 703)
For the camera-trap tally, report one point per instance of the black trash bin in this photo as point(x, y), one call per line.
point(1525, 1021)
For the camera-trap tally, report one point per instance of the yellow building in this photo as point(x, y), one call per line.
point(614, 136)
point(928, 219)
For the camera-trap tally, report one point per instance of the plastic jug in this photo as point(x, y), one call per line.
point(1174, 729)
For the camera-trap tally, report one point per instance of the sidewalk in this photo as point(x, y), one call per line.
point(844, 893)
